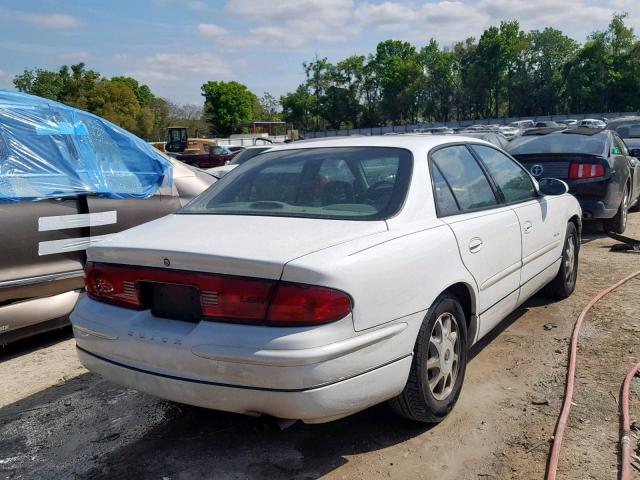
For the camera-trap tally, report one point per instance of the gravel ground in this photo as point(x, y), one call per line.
point(59, 421)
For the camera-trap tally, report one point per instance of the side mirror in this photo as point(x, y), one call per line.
point(635, 152)
point(552, 186)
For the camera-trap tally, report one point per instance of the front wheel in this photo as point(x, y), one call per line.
point(564, 283)
point(618, 224)
point(438, 366)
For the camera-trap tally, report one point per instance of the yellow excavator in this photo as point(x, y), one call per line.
point(177, 142)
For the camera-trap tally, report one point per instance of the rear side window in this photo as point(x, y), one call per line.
point(514, 183)
point(619, 148)
point(463, 175)
point(445, 200)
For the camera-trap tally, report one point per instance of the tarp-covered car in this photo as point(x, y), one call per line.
point(68, 179)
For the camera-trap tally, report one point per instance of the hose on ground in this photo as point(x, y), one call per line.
point(625, 439)
point(568, 395)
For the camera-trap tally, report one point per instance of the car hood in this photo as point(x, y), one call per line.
point(254, 246)
point(632, 142)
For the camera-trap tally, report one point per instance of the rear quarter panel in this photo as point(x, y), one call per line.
point(389, 276)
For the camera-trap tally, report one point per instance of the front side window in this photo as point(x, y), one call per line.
point(512, 180)
point(464, 176)
point(356, 183)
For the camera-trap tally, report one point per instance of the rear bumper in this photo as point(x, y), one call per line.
point(310, 373)
point(594, 209)
point(314, 405)
point(29, 317)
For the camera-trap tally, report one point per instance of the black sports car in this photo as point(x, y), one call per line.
point(595, 163)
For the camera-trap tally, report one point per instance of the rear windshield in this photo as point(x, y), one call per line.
point(354, 183)
point(559, 143)
point(630, 129)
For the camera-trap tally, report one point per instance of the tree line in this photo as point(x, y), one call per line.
point(506, 73)
point(121, 100)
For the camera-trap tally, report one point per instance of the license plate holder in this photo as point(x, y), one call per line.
point(172, 301)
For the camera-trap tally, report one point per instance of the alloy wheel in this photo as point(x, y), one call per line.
point(570, 260)
point(443, 358)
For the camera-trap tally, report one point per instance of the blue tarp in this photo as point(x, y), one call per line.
point(50, 150)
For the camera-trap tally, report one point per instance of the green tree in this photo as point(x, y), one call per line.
point(43, 83)
point(227, 103)
point(117, 103)
point(142, 92)
point(297, 107)
point(269, 108)
point(441, 83)
point(400, 77)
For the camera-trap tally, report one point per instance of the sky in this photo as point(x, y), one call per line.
point(175, 46)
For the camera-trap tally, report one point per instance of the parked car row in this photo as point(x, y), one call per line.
point(304, 281)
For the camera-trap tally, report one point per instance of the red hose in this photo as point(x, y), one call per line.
point(568, 394)
point(626, 425)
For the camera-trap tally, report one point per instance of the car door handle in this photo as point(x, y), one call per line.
point(527, 227)
point(475, 244)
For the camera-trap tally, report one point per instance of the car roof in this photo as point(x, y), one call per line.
point(407, 141)
point(624, 119)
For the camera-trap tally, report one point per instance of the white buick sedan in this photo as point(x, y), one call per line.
point(326, 277)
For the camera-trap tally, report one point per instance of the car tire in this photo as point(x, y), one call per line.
point(618, 224)
point(438, 355)
point(563, 285)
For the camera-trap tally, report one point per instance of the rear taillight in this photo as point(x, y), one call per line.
point(295, 304)
point(579, 171)
point(112, 284)
point(223, 297)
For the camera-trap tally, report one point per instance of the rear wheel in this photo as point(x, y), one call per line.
point(439, 364)
point(564, 283)
point(618, 224)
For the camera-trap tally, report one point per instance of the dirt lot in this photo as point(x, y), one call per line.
point(59, 421)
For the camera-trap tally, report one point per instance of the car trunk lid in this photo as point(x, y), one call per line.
point(254, 246)
point(554, 165)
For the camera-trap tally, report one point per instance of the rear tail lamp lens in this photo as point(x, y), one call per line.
point(232, 299)
point(295, 304)
point(579, 171)
point(112, 284)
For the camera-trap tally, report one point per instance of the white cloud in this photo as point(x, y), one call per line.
point(312, 11)
point(5, 80)
point(292, 23)
point(198, 6)
point(211, 30)
point(54, 21)
point(163, 67)
point(79, 56)
point(571, 16)
point(385, 16)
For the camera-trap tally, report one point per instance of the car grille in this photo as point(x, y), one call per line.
point(549, 169)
